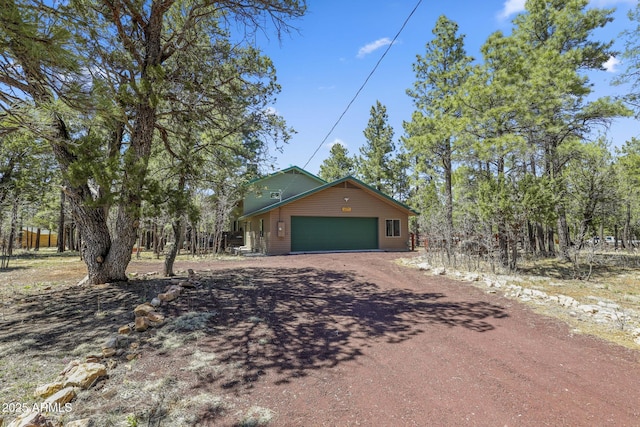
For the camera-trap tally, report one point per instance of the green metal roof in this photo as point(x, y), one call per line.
point(325, 186)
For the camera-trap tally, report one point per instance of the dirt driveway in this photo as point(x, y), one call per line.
point(356, 339)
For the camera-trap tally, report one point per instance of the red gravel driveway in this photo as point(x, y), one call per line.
point(358, 339)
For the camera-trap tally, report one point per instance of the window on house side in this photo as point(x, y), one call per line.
point(393, 227)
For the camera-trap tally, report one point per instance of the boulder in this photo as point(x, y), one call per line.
point(440, 271)
point(70, 366)
point(142, 324)
point(155, 317)
point(175, 289)
point(109, 352)
point(31, 419)
point(61, 397)
point(143, 309)
point(156, 302)
point(167, 296)
point(566, 301)
point(187, 284)
point(84, 375)
point(609, 305)
point(590, 309)
point(47, 390)
point(124, 330)
point(93, 358)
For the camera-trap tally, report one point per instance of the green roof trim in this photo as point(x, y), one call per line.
point(289, 169)
point(323, 187)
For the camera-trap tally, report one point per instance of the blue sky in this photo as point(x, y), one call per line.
point(321, 67)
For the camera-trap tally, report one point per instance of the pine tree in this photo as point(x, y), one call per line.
point(554, 40)
point(373, 164)
point(631, 57)
point(337, 165)
point(126, 66)
point(628, 171)
point(432, 133)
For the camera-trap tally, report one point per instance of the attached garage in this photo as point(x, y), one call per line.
point(314, 233)
point(292, 211)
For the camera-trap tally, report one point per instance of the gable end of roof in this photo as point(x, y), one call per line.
point(287, 170)
point(379, 194)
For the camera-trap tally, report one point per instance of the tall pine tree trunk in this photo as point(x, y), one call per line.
point(14, 225)
point(105, 255)
point(177, 226)
point(551, 247)
point(156, 240)
point(540, 238)
point(503, 243)
point(448, 189)
point(554, 170)
point(626, 233)
point(564, 240)
point(173, 251)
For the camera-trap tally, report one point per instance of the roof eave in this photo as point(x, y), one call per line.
point(409, 210)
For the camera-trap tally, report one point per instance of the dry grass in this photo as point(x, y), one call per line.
point(609, 276)
point(611, 284)
point(131, 396)
point(614, 277)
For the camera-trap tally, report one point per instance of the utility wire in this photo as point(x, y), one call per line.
point(404, 24)
point(363, 84)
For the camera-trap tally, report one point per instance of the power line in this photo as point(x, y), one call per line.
point(363, 84)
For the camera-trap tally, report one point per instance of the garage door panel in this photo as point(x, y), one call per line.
point(333, 233)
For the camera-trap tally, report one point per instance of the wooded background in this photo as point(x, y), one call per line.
point(129, 125)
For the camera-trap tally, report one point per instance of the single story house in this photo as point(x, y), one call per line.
point(294, 211)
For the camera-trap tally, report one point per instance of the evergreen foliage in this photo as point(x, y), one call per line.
point(102, 82)
point(373, 164)
point(150, 117)
point(337, 165)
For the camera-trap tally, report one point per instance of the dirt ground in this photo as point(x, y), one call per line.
point(318, 340)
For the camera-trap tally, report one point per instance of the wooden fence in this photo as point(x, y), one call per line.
point(34, 238)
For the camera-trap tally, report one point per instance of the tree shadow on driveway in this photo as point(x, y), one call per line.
point(291, 321)
point(238, 327)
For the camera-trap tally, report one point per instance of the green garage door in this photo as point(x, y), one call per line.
point(313, 233)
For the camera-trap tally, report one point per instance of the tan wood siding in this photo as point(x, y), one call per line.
point(286, 184)
point(331, 202)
